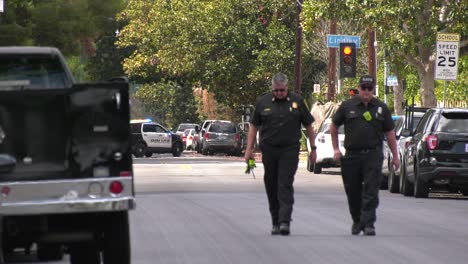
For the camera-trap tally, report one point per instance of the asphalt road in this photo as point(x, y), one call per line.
point(205, 210)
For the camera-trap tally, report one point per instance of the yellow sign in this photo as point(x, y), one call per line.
point(448, 37)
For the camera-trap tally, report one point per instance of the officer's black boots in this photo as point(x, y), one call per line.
point(284, 229)
point(356, 228)
point(275, 230)
point(369, 231)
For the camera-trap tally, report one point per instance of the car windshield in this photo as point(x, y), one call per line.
point(183, 127)
point(326, 129)
point(453, 122)
point(223, 128)
point(31, 72)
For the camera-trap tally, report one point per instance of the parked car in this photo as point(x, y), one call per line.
point(391, 178)
point(325, 151)
point(182, 126)
point(149, 137)
point(201, 134)
point(387, 160)
point(188, 137)
point(221, 136)
point(437, 154)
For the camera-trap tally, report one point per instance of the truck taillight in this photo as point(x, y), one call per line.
point(116, 187)
point(431, 142)
point(125, 174)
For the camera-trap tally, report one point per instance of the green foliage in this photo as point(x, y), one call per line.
point(63, 24)
point(229, 47)
point(168, 103)
point(78, 68)
point(407, 31)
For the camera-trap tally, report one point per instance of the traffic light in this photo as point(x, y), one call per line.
point(347, 60)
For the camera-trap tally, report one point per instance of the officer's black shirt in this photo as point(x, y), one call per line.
point(279, 120)
point(360, 133)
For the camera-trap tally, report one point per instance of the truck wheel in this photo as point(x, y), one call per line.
point(140, 150)
point(49, 252)
point(177, 149)
point(116, 243)
point(84, 253)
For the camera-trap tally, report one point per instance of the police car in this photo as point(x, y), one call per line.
point(149, 137)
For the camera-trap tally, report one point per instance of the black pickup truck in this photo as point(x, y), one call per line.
point(66, 177)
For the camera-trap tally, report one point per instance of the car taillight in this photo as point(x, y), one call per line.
point(190, 138)
point(207, 135)
point(116, 187)
point(5, 191)
point(431, 142)
point(237, 137)
point(125, 174)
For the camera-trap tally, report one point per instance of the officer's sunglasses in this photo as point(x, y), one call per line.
point(278, 90)
point(368, 88)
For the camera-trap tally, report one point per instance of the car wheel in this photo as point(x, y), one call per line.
point(204, 150)
point(140, 150)
point(421, 188)
point(393, 180)
point(148, 154)
point(317, 168)
point(309, 164)
point(384, 183)
point(406, 187)
point(177, 149)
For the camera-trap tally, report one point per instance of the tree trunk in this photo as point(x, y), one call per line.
point(426, 78)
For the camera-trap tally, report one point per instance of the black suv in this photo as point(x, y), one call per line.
point(149, 138)
point(437, 155)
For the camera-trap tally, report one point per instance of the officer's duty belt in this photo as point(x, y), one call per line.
point(362, 150)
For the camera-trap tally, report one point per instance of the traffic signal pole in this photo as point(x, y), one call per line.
point(331, 65)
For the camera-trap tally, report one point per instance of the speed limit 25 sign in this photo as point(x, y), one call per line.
point(447, 48)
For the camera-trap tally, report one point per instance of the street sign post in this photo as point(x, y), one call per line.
point(333, 41)
point(447, 47)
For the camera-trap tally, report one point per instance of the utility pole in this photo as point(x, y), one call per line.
point(331, 65)
point(298, 53)
point(371, 52)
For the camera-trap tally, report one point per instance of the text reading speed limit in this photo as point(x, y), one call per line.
point(447, 48)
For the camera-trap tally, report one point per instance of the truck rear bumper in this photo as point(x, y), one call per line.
point(66, 196)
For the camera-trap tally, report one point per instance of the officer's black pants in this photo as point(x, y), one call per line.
point(280, 165)
point(362, 174)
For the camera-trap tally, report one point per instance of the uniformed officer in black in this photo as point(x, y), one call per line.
point(366, 119)
point(278, 117)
